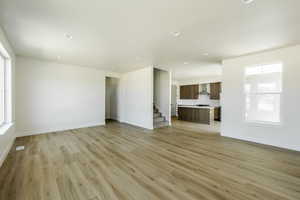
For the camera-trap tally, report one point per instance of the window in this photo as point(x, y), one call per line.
point(2, 89)
point(5, 91)
point(263, 87)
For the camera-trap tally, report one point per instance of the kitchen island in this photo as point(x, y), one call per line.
point(199, 114)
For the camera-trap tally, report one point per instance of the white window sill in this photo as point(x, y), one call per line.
point(5, 127)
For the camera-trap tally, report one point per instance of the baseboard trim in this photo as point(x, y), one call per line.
point(137, 125)
point(50, 130)
point(252, 142)
point(6, 152)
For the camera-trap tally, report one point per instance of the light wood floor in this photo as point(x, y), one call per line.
point(122, 162)
point(213, 128)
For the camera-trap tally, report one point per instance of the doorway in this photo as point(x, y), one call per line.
point(111, 98)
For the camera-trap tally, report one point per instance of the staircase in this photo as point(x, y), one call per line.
point(158, 119)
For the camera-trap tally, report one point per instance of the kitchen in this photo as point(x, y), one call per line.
point(200, 103)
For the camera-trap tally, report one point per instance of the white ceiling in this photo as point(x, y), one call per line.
point(123, 35)
point(192, 71)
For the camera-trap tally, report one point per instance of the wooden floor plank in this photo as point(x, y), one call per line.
point(123, 162)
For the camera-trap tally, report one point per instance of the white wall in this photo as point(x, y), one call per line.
point(162, 92)
point(7, 136)
point(52, 97)
point(136, 94)
point(233, 124)
point(200, 80)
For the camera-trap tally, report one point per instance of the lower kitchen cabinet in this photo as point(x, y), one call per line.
point(200, 115)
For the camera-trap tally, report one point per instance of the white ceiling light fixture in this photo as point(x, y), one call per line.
point(205, 54)
point(68, 36)
point(176, 34)
point(247, 1)
point(185, 63)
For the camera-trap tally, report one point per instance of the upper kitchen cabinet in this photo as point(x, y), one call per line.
point(215, 90)
point(189, 91)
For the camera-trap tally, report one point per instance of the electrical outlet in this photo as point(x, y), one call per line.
point(20, 148)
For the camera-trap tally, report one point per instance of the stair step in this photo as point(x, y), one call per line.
point(158, 119)
point(156, 115)
point(161, 124)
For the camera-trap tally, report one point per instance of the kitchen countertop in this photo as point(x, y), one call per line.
point(198, 107)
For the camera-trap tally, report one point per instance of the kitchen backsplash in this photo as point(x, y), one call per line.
point(203, 99)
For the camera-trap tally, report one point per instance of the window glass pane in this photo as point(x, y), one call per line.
point(253, 70)
point(263, 79)
point(1, 89)
point(264, 69)
point(263, 107)
point(274, 68)
point(263, 83)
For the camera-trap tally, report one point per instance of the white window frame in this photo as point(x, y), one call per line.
point(3, 92)
point(7, 93)
point(260, 122)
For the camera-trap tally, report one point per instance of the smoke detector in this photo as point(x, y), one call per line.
point(176, 34)
point(68, 36)
point(247, 1)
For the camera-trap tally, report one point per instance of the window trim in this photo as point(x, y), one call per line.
point(260, 122)
point(7, 91)
point(4, 92)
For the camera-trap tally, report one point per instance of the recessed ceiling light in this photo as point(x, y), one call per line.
point(68, 36)
point(185, 63)
point(247, 1)
point(205, 54)
point(176, 34)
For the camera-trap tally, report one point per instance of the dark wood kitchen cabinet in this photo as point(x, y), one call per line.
point(189, 91)
point(215, 90)
point(217, 113)
point(199, 115)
